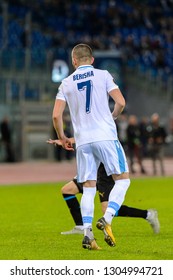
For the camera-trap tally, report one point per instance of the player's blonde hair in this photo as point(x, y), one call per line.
point(82, 52)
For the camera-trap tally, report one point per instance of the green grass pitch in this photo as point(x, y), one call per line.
point(32, 217)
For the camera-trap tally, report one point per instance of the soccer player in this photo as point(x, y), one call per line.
point(87, 91)
point(104, 186)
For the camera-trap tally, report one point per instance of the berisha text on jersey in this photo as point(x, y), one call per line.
point(83, 76)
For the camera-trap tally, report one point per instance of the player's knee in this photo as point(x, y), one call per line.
point(70, 188)
point(122, 176)
point(64, 190)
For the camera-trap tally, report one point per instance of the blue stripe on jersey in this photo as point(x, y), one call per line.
point(87, 219)
point(113, 205)
point(69, 197)
point(120, 157)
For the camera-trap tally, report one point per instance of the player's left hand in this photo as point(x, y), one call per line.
point(55, 142)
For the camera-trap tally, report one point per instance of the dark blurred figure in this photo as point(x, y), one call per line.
point(58, 149)
point(68, 133)
point(122, 123)
point(143, 126)
point(134, 144)
point(7, 140)
point(156, 142)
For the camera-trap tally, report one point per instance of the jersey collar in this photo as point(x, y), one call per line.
point(85, 66)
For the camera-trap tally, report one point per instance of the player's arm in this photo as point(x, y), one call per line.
point(58, 142)
point(57, 118)
point(119, 102)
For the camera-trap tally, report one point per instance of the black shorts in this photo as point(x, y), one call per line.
point(104, 184)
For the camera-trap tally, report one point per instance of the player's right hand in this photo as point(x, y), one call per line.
point(67, 143)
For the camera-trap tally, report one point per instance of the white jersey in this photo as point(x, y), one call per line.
point(86, 92)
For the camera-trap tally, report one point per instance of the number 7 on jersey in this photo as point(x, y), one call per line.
point(87, 88)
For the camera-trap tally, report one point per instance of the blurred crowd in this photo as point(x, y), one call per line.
point(143, 138)
point(141, 29)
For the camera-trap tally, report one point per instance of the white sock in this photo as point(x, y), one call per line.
point(148, 214)
point(88, 232)
point(79, 227)
point(87, 206)
point(116, 198)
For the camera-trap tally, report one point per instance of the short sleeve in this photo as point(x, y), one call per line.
point(110, 84)
point(60, 94)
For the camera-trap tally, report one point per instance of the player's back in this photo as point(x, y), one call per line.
point(86, 92)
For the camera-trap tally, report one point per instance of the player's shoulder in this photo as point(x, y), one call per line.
point(104, 71)
point(101, 72)
point(67, 79)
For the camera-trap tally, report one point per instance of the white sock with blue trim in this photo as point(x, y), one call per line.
point(116, 198)
point(87, 206)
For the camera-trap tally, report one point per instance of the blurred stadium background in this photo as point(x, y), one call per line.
point(132, 39)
